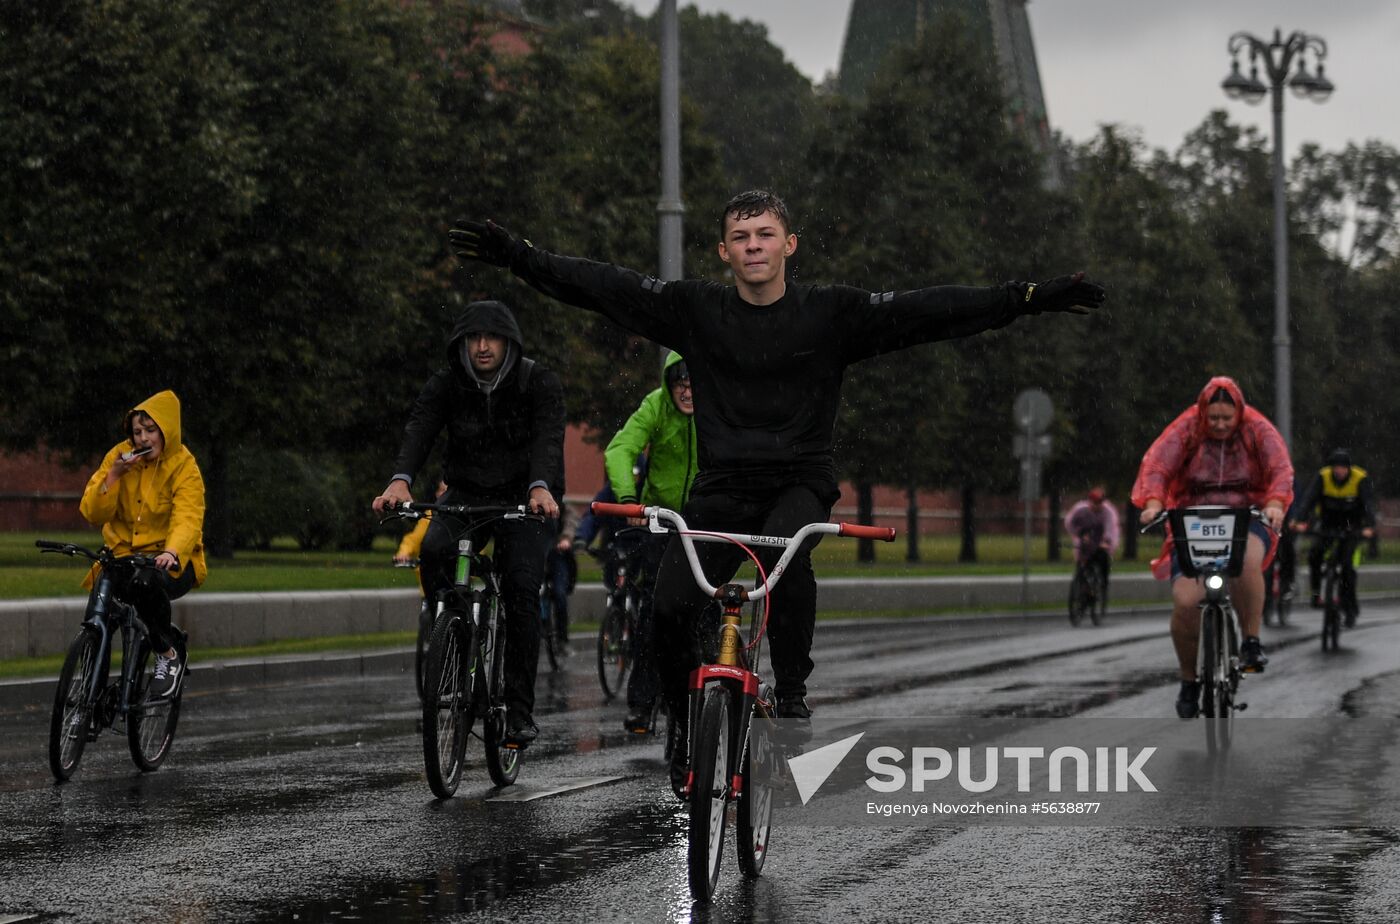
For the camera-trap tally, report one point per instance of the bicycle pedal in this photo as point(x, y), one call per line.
point(1240, 707)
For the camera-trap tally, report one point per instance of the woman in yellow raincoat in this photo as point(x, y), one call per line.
point(148, 497)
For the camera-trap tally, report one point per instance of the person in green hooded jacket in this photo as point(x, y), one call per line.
point(663, 426)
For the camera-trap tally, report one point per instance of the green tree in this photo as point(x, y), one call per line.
point(927, 183)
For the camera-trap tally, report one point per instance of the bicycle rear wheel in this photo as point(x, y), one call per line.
point(502, 763)
point(1097, 582)
point(420, 656)
point(150, 726)
point(1076, 597)
point(709, 794)
point(614, 639)
point(72, 708)
point(1331, 614)
point(547, 629)
point(447, 711)
point(754, 818)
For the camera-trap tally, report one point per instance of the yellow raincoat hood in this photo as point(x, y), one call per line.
point(157, 505)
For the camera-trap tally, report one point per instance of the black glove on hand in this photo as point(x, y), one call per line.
point(1064, 293)
point(489, 242)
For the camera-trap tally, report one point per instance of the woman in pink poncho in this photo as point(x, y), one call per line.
point(1219, 451)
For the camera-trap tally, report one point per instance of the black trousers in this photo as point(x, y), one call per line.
point(679, 604)
point(519, 553)
point(642, 682)
point(150, 590)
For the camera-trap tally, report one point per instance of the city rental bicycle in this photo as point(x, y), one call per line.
point(464, 666)
point(731, 763)
point(1209, 544)
point(1088, 589)
point(88, 700)
point(1338, 597)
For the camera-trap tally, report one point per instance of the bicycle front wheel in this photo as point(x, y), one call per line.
point(1097, 580)
point(150, 726)
point(447, 710)
point(709, 794)
point(72, 706)
point(614, 638)
point(1215, 681)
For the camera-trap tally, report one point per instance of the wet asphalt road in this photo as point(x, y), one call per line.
point(309, 804)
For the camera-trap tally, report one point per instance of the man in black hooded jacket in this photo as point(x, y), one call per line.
point(504, 416)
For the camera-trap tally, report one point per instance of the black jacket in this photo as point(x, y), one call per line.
point(767, 380)
point(502, 437)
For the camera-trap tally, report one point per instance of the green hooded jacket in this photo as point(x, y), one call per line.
point(671, 460)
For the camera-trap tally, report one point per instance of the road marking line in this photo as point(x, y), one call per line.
point(16, 918)
point(522, 794)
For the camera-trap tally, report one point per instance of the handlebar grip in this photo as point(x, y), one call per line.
point(49, 544)
point(619, 510)
point(855, 530)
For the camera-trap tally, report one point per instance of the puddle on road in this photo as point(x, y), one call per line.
point(481, 884)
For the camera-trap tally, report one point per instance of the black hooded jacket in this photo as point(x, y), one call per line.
point(501, 438)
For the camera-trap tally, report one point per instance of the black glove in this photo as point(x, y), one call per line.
point(1064, 293)
point(489, 242)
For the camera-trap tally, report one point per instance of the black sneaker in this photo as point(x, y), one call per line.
point(792, 706)
point(1252, 658)
point(1188, 701)
point(1349, 619)
point(169, 674)
point(638, 720)
point(520, 730)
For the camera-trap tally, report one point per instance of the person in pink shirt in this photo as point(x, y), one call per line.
point(1218, 451)
point(1093, 525)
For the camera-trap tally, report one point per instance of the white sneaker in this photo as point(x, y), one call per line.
point(166, 681)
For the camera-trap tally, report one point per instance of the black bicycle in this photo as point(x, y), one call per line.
point(1088, 589)
point(464, 665)
point(1339, 607)
point(549, 631)
point(88, 700)
point(622, 567)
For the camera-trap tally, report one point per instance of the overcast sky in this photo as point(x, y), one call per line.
point(1153, 64)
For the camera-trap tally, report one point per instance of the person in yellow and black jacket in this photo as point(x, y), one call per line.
point(1340, 499)
point(148, 498)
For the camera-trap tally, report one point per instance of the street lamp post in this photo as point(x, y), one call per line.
point(1277, 57)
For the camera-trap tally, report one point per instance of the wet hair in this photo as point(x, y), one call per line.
point(753, 203)
point(1339, 457)
point(1221, 396)
point(675, 372)
point(130, 420)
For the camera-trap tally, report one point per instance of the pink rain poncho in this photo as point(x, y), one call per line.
point(1185, 466)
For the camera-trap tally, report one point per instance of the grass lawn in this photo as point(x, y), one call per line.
point(24, 572)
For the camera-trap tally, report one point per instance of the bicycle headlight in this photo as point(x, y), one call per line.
point(1215, 582)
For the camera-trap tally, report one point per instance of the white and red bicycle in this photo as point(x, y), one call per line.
point(730, 767)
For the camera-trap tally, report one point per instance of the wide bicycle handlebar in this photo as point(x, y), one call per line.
point(658, 516)
point(414, 510)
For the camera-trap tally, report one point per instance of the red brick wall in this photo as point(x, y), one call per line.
point(38, 493)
